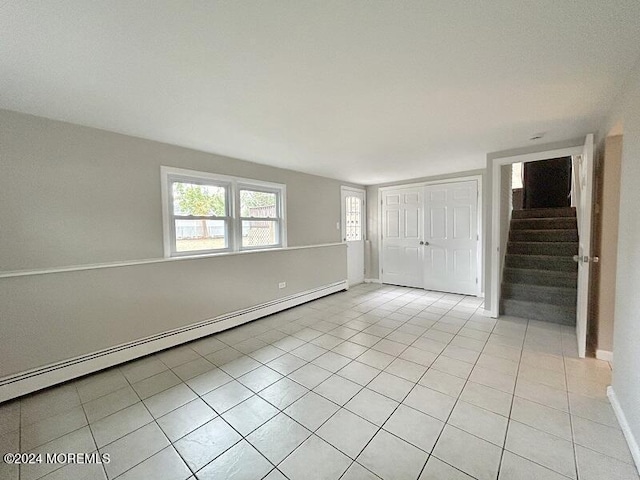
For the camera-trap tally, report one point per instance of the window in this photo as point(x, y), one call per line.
point(353, 213)
point(259, 217)
point(516, 175)
point(206, 213)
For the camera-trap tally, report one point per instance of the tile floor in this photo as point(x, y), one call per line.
point(377, 382)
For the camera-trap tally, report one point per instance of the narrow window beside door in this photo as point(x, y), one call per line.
point(353, 213)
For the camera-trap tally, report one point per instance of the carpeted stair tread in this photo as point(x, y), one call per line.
point(541, 262)
point(553, 295)
point(544, 212)
point(530, 276)
point(564, 315)
point(544, 235)
point(543, 248)
point(559, 223)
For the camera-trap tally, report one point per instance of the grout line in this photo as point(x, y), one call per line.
point(506, 432)
point(466, 380)
point(573, 443)
point(84, 411)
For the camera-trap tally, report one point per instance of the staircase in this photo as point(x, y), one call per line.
point(540, 277)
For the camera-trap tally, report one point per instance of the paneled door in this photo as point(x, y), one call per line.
point(450, 237)
point(402, 222)
point(353, 232)
point(583, 184)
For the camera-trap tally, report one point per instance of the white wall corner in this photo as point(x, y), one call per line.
point(372, 280)
point(605, 355)
point(624, 425)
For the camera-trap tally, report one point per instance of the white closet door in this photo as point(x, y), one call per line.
point(451, 237)
point(402, 217)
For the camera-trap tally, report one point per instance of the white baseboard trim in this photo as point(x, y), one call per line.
point(372, 280)
point(488, 313)
point(38, 378)
point(626, 430)
point(605, 355)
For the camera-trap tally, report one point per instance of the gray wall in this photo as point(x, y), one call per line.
point(626, 336)
point(104, 188)
point(73, 195)
point(53, 317)
point(373, 205)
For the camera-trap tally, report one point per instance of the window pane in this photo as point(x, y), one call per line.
point(353, 212)
point(200, 235)
point(259, 233)
point(258, 204)
point(516, 175)
point(199, 200)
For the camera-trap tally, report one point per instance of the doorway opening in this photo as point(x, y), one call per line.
point(541, 184)
point(581, 198)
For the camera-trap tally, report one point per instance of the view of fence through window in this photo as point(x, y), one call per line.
point(259, 214)
point(205, 202)
point(353, 211)
point(202, 217)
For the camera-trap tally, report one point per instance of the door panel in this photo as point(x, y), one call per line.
point(462, 223)
point(393, 224)
point(584, 185)
point(438, 223)
point(402, 215)
point(412, 223)
point(451, 240)
point(353, 233)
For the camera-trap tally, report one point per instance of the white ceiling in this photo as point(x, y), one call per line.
point(366, 91)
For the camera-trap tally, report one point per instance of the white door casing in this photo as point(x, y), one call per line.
point(451, 237)
point(353, 232)
point(584, 183)
point(402, 230)
point(496, 254)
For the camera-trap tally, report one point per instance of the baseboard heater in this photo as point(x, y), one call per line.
point(23, 383)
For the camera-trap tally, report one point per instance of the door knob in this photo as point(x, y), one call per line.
point(424, 243)
point(585, 259)
point(421, 242)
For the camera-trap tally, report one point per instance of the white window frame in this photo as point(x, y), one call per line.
point(233, 220)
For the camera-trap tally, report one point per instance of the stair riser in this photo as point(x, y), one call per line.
point(543, 224)
point(542, 312)
point(566, 249)
point(532, 277)
point(543, 236)
point(559, 264)
point(544, 213)
point(530, 293)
